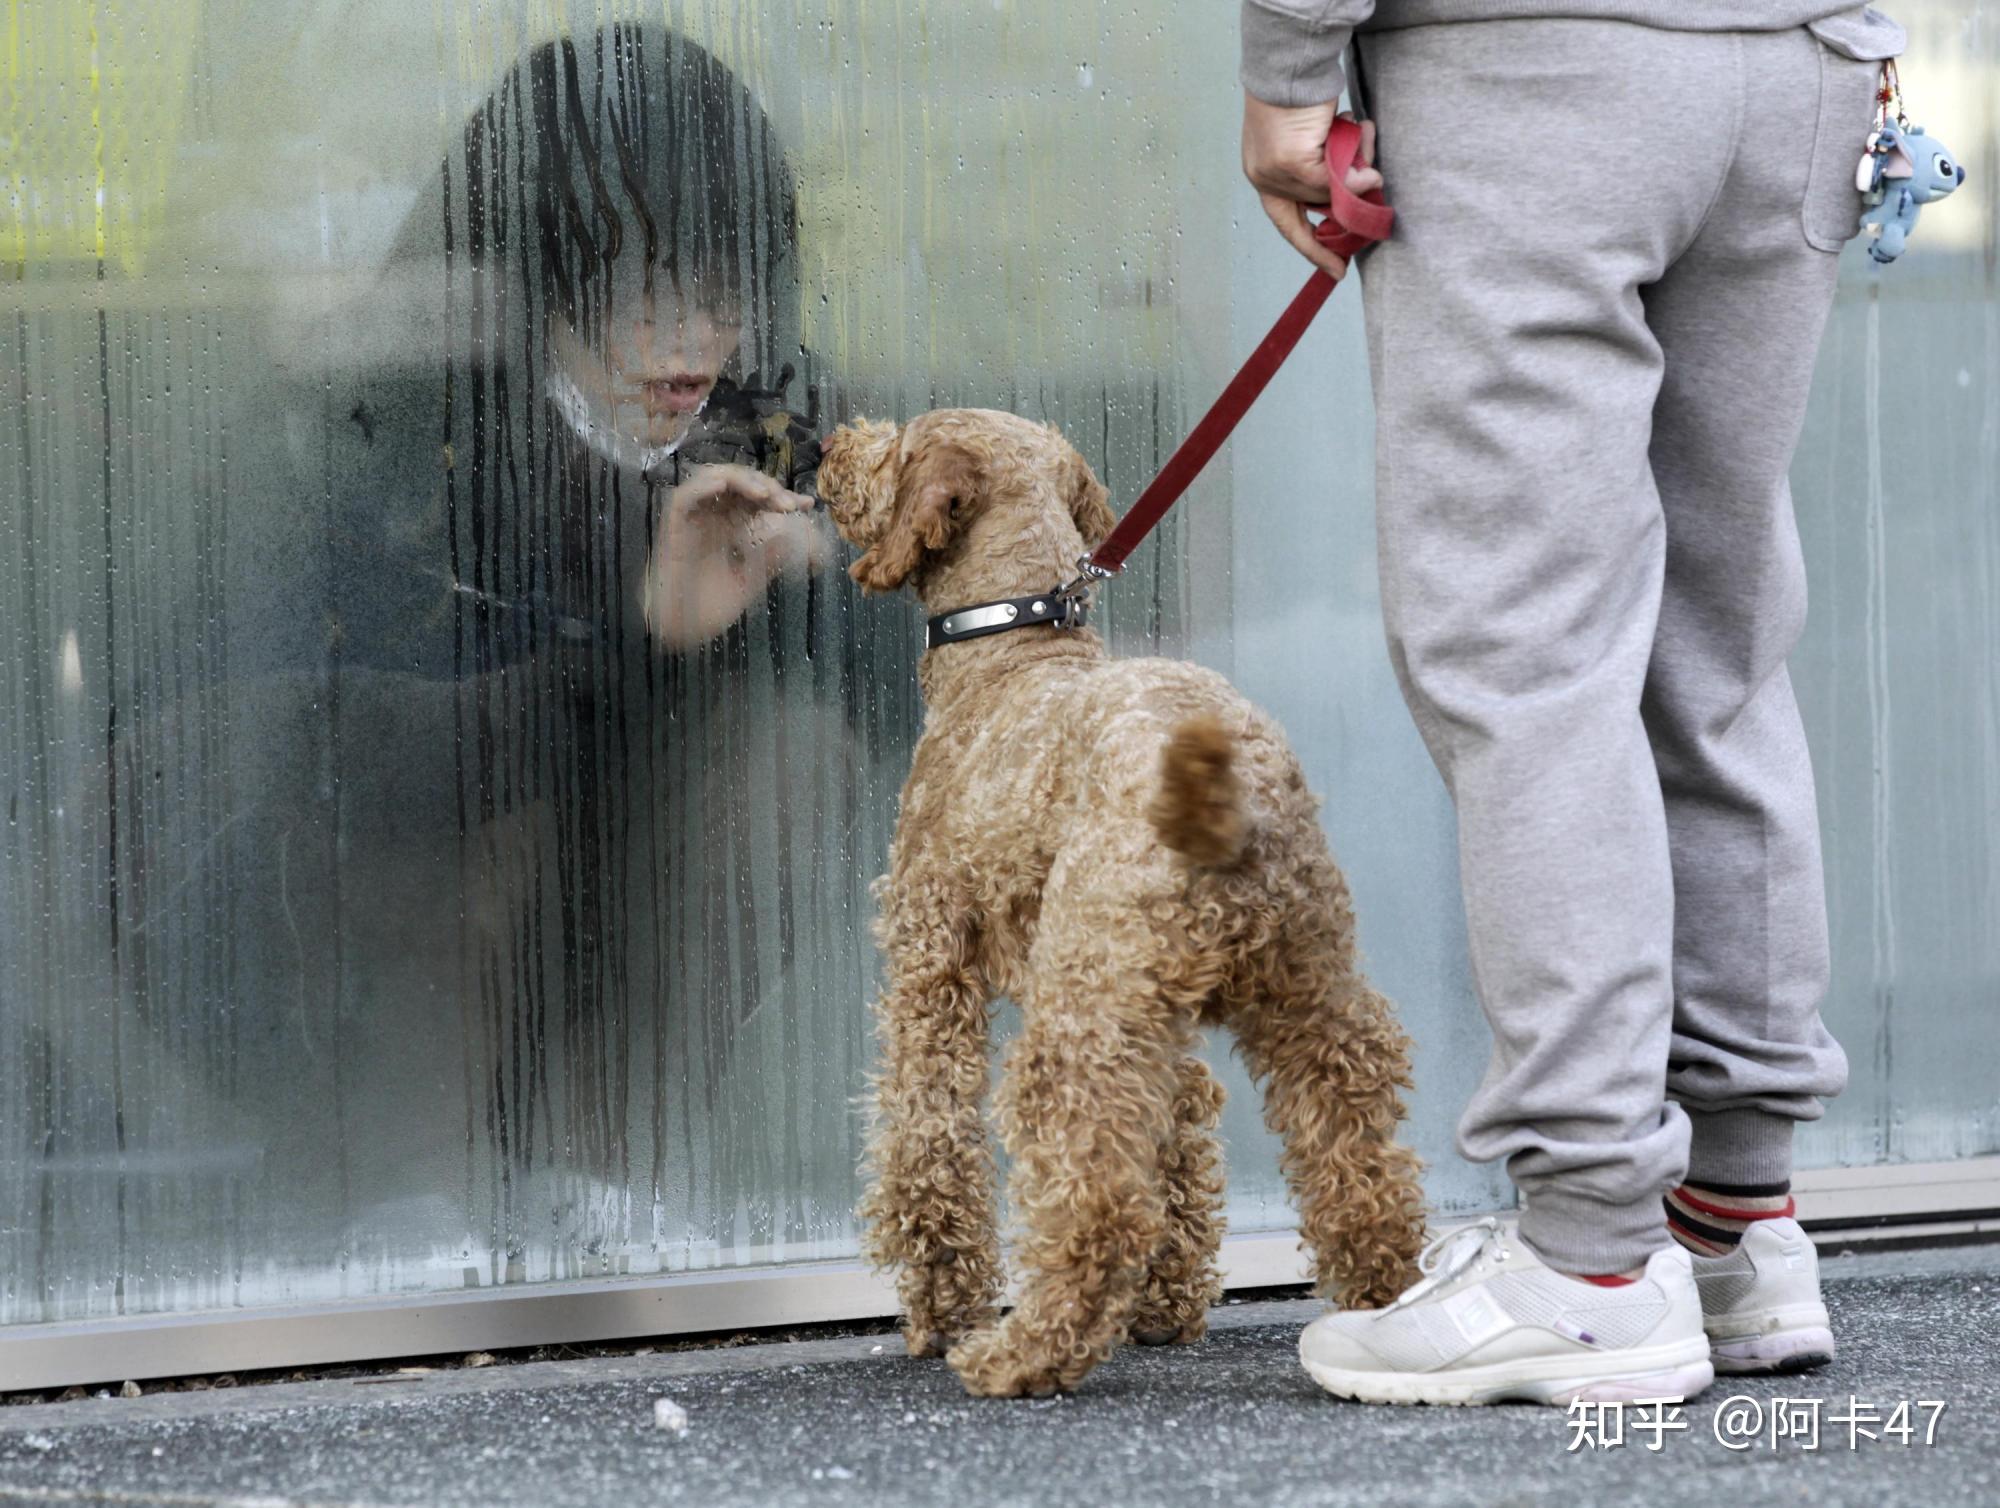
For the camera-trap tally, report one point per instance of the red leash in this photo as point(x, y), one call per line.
point(1353, 223)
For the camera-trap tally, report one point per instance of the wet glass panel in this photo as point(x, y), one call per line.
point(383, 908)
point(392, 908)
point(1897, 485)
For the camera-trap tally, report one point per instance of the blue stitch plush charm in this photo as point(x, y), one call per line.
point(1901, 170)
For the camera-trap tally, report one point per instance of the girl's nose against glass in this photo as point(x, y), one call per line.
point(645, 343)
point(702, 328)
point(682, 332)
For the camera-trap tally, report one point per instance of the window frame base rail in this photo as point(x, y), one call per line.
point(1900, 1203)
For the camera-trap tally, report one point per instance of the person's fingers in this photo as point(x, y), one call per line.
point(1362, 177)
point(1292, 178)
point(1284, 149)
point(765, 496)
point(784, 500)
point(722, 489)
point(786, 544)
point(735, 487)
point(700, 490)
point(1290, 218)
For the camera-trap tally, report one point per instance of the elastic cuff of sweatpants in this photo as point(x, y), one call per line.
point(1738, 1147)
point(1575, 1233)
point(1290, 62)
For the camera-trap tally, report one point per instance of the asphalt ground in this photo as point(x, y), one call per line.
point(850, 1420)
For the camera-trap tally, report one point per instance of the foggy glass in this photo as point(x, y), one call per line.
point(381, 910)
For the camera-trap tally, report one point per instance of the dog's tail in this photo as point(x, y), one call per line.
point(1198, 812)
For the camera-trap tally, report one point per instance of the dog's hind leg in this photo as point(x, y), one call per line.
point(1184, 1280)
point(1332, 1061)
point(928, 1213)
point(1086, 1107)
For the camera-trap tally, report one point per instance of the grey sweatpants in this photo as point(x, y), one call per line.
point(1591, 338)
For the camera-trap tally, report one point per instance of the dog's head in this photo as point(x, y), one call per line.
point(966, 502)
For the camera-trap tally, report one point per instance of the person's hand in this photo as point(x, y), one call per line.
point(1284, 157)
point(728, 532)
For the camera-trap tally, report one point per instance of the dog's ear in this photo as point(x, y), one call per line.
point(1088, 501)
point(940, 480)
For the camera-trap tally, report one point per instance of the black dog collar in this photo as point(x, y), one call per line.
point(1063, 609)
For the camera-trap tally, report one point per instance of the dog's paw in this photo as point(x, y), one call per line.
point(990, 1368)
point(925, 1344)
point(1169, 1323)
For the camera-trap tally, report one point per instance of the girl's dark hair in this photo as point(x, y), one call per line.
point(621, 163)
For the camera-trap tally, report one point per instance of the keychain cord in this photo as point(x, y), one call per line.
point(1890, 90)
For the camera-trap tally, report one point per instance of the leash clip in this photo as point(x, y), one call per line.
point(1076, 591)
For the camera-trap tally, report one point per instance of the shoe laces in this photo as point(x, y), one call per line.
point(1449, 1255)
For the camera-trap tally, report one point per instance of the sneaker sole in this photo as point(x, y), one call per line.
point(1680, 1370)
point(1784, 1352)
point(1789, 1338)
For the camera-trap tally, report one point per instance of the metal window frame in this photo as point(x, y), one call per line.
point(1933, 1199)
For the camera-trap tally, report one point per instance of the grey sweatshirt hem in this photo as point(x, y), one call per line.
point(1292, 48)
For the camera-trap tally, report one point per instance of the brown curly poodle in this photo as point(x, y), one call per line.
point(1126, 848)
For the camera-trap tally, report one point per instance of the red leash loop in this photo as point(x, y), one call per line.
point(1352, 224)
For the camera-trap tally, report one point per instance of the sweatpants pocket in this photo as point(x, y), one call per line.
point(1831, 213)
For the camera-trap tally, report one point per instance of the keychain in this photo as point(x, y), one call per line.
point(1901, 169)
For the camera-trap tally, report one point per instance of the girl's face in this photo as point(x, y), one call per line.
point(657, 367)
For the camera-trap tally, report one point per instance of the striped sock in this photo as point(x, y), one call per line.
point(1709, 1219)
point(1608, 1279)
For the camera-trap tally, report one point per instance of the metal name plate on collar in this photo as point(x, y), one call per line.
point(978, 619)
point(965, 620)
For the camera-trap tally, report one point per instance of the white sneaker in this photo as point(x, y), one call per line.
point(1760, 1303)
point(1490, 1321)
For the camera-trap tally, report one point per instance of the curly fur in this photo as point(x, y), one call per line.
point(1198, 812)
point(1128, 849)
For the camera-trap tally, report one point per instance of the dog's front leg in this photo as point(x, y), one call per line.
point(928, 1212)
